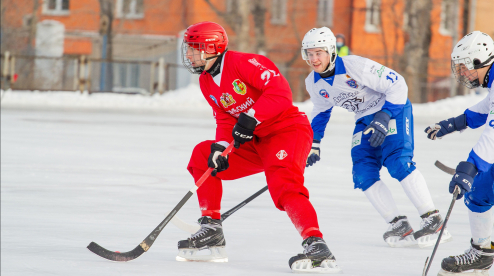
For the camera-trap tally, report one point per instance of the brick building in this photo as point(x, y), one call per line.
point(149, 29)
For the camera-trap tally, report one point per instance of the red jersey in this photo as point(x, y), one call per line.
point(249, 83)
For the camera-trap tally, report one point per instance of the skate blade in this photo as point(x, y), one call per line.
point(218, 255)
point(305, 266)
point(430, 240)
point(398, 242)
point(475, 272)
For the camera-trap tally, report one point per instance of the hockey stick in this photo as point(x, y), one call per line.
point(429, 261)
point(149, 240)
point(192, 228)
point(445, 168)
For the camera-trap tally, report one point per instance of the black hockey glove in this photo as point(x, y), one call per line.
point(216, 161)
point(379, 128)
point(463, 178)
point(314, 154)
point(243, 131)
point(446, 127)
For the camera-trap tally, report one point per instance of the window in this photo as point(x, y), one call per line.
point(325, 13)
point(372, 16)
point(447, 13)
point(126, 75)
point(130, 9)
point(56, 7)
point(278, 12)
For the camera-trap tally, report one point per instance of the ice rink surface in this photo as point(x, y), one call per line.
point(69, 178)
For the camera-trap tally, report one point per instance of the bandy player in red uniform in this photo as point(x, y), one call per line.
point(252, 104)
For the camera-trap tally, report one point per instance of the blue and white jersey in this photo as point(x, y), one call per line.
point(482, 154)
point(359, 85)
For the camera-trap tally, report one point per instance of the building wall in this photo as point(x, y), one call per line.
point(484, 20)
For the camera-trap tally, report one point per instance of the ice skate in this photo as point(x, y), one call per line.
point(400, 233)
point(475, 261)
point(210, 237)
point(316, 258)
point(431, 225)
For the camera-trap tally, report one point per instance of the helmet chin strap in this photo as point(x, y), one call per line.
point(208, 59)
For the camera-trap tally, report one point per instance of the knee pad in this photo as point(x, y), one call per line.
point(399, 167)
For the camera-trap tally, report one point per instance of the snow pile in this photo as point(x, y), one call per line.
point(187, 99)
point(190, 99)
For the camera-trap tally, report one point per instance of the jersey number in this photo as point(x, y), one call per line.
point(266, 75)
point(392, 78)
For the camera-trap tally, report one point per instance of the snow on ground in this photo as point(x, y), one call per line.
point(72, 173)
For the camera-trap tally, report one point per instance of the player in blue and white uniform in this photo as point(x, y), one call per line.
point(383, 134)
point(472, 63)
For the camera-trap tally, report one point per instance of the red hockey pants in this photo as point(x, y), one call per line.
point(282, 156)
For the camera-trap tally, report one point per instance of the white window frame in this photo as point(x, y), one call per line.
point(58, 8)
point(278, 7)
point(325, 16)
point(373, 14)
point(130, 15)
point(446, 15)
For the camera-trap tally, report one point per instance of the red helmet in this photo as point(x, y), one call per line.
point(208, 38)
point(211, 34)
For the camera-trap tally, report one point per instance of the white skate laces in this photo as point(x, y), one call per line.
point(204, 229)
point(309, 248)
point(470, 256)
point(427, 221)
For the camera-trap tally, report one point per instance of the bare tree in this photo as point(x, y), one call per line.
point(106, 31)
point(259, 16)
point(237, 19)
point(415, 60)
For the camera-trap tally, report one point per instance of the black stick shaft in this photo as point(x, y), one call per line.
point(242, 204)
point(455, 195)
point(149, 240)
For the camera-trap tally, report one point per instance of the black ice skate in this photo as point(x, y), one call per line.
point(431, 225)
point(316, 258)
point(475, 261)
point(210, 236)
point(400, 233)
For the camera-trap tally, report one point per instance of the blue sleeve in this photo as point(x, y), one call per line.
point(480, 163)
point(392, 109)
point(474, 119)
point(319, 123)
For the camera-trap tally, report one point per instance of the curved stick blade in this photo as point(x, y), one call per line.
point(115, 256)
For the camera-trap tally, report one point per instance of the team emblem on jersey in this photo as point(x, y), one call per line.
point(226, 99)
point(352, 83)
point(239, 87)
point(352, 104)
point(324, 93)
point(214, 100)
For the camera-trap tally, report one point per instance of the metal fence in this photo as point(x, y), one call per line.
point(79, 73)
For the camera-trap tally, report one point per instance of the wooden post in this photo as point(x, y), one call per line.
point(151, 84)
point(76, 74)
point(88, 76)
point(161, 75)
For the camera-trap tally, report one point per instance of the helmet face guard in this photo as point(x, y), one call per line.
point(474, 51)
point(467, 77)
point(193, 56)
point(200, 39)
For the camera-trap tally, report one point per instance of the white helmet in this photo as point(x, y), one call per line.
point(320, 38)
point(473, 51)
